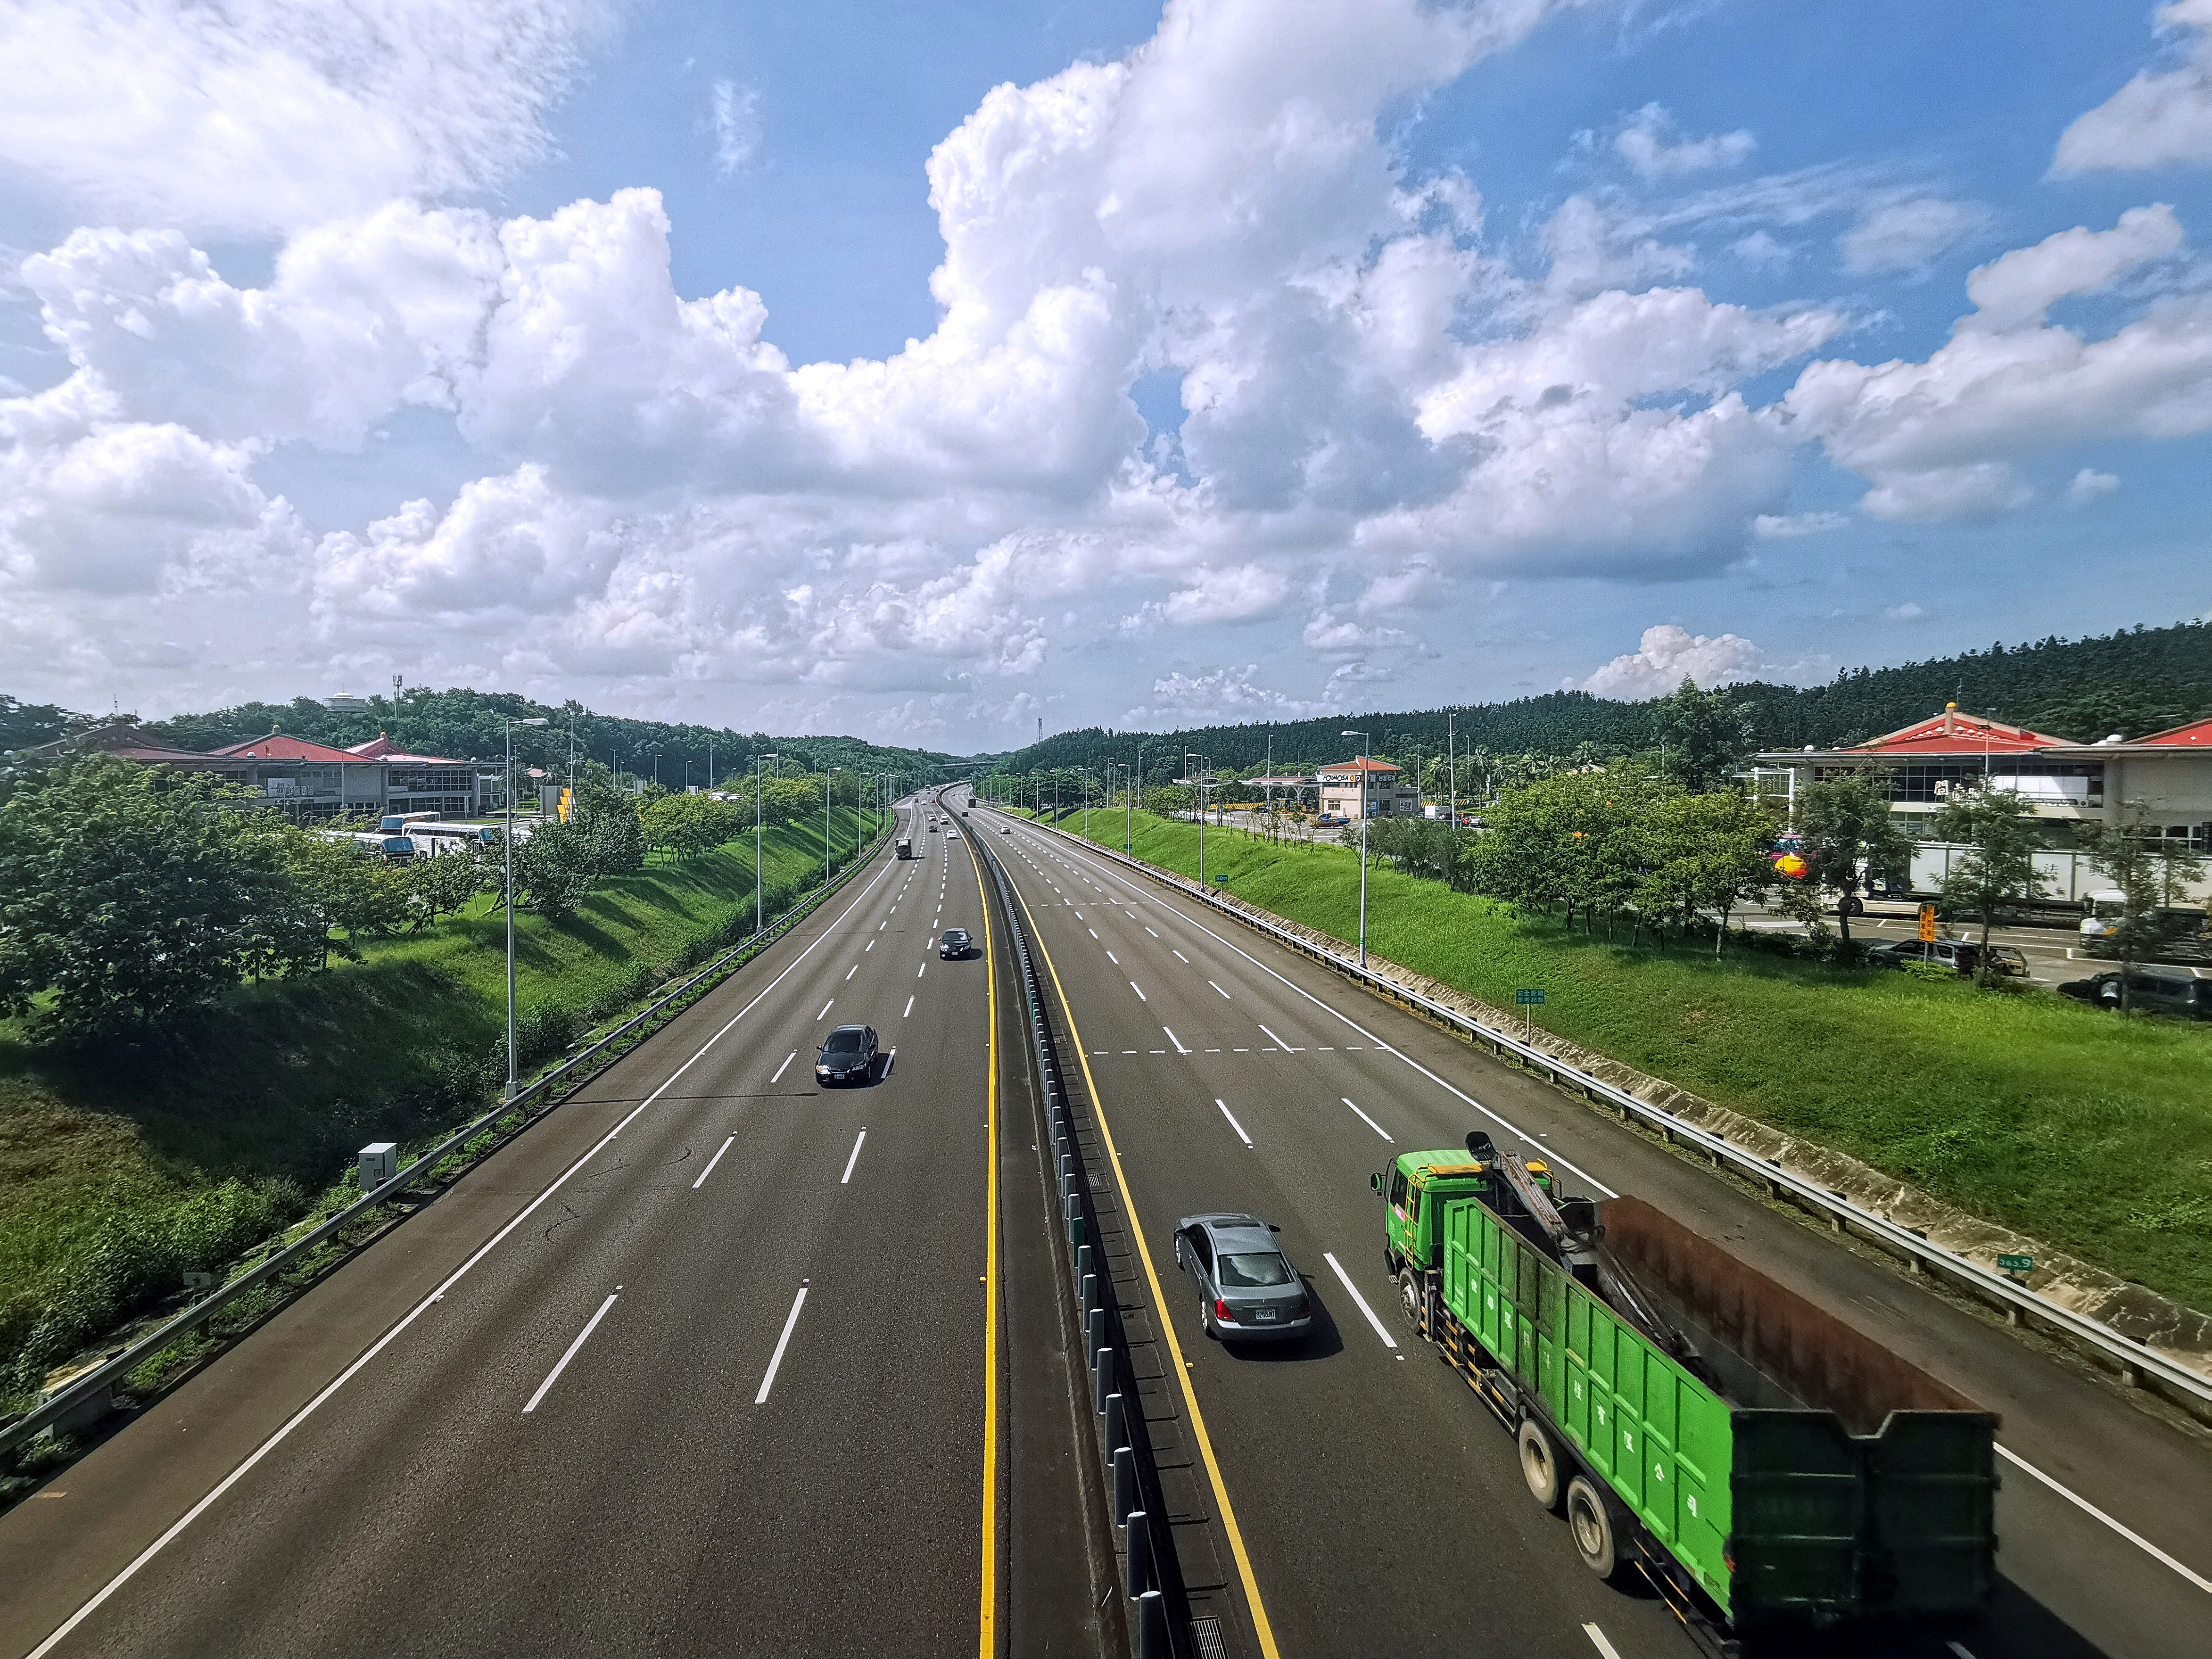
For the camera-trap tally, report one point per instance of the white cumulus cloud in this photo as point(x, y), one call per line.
point(1667, 655)
point(2160, 119)
point(1905, 234)
point(1647, 143)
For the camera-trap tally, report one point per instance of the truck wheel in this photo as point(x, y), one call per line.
point(1540, 1464)
point(1592, 1526)
point(1409, 1299)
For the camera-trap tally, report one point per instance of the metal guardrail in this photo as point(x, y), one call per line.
point(1159, 1602)
point(2138, 1364)
point(535, 1100)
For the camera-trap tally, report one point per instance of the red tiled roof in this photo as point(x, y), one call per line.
point(2196, 735)
point(382, 748)
point(276, 747)
point(1363, 764)
point(1953, 733)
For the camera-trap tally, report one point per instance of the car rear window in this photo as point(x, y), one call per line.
point(1268, 1268)
point(844, 1043)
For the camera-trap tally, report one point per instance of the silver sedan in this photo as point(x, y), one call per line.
point(1246, 1288)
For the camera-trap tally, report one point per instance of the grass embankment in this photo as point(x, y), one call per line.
point(2077, 1127)
point(119, 1171)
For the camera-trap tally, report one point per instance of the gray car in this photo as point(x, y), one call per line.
point(1246, 1288)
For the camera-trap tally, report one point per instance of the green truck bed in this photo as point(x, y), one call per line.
point(1788, 1471)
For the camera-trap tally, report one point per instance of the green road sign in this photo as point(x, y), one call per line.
point(1532, 999)
point(2017, 1264)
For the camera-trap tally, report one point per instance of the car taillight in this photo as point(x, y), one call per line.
point(1221, 1310)
point(1301, 1309)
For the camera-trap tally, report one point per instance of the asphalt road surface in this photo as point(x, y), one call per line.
point(1381, 1507)
point(697, 1365)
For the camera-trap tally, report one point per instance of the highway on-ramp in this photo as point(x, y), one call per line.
point(1381, 1507)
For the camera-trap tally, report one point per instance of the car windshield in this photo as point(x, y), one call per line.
point(1260, 1268)
point(844, 1043)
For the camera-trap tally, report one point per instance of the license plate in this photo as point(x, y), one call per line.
point(1267, 1314)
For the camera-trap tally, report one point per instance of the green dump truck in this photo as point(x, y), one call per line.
point(1769, 1468)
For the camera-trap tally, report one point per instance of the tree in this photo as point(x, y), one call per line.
point(608, 821)
point(135, 895)
point(1706, 852)
point(440, 886)
point(2128, 851)
point(1705, 735)
point(1998, 828)
point(553, 870)
point(338, 887)
point(1848, 831)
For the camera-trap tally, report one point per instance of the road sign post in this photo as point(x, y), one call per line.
point(2019, 1267)
point(1530, 999)
point(1928, 923)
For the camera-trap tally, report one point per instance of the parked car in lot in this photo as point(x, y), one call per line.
point(849, 1055)
point(1247, 1287)
point(955, 943)
point(1959, 955)
point(2186, 992)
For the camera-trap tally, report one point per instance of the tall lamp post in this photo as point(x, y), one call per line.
point(1186, 759)
point(826, 854)
point(1359, 766)
point(758, 759)
point(506, 842)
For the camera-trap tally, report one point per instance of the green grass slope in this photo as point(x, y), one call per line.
point(2091, 1133)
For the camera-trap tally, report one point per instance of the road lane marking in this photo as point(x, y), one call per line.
point(1111, 957)
point(871, 946)
point(1233, 1123)
point(1285, 1047)
point(1093, 932)
point(1261, 1628)
point(775, 1360)
point(910, 1009)
point(1337, 1267)
point(2087, 1508)
point(919, 971)
point(987, 1640)
point(1370, 1121)
point(1185, 960)
point(1173, 1038)
point(826, 1007)
point(713, 1161)
point(1139, 990)
point(854, 969)
point(1149, 931)
point(785, 1067)
point(1605, 1650)
point(177, 1528)
point(582, 1336)
point(845, 1179)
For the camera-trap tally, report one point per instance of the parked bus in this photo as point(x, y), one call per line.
point(392, 849)
point(396, 821)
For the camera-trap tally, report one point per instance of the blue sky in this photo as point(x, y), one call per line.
point(1280, 358)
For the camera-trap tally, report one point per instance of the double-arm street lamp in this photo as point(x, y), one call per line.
point(1359, 764)
point(508, 843)
point(758, 759)
point(1201, 788)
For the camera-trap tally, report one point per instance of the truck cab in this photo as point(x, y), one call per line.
point(1414, 1188)
point(905, 847)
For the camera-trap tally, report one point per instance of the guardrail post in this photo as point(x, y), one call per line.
point(1152, 1625)
point(1103, 1387)
point(1095, 1334)
point(1087, 1290)
point(1117, 1420)
point(1082, 1261)
point(1140, 1553)
point(1125, 1484)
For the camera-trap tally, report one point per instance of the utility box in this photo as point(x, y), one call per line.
point(379, 1161)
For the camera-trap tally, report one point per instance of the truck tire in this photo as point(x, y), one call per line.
point(1591, 1524)
point(1540, 1464)
point(1409, 1299)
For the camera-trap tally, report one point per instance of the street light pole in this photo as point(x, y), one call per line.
point(1186, 759)
point(507, 844)
point(1359, 766)
point(758, 759)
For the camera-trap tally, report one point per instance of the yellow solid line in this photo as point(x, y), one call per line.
point(987, 1638)
point(1260, 1626)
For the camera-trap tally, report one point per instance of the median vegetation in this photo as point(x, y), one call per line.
point(210, 1010)
point(2089, 1131)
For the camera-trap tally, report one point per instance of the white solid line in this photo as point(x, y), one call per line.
point(781, 1343)
point(910, 1009)
point(785, 1067)
point(554, 1376)
point(1370, 1121)
point(1233, 1123)
point(854, 969)
point(1605, 1650)
point(1336, 1267)
point(826, 1007)
point(1225, 996)
point(428, 1301)
point(1173, 1038)
point(850, 1161)
point(2086, 1507)
point(1286, 1046)
point(1959, 1650)
point(712, 1162)
point(1139, 990)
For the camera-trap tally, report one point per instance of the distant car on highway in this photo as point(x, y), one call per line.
point(2186, 992)
point(849, 1055)
point(955, 943)
point(1247, 1287)
point(1006, 828)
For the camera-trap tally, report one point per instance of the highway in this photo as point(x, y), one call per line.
point(699, 1364)
point(1382, 1508)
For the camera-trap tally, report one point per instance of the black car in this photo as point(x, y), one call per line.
point(2157, 988)
point(849, 1055)
point(955, 943)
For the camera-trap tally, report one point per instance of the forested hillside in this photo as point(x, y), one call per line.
point(2134, 681)
point(464, 724)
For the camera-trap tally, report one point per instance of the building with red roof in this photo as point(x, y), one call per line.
point(1364, 787)
point(2197, 734)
